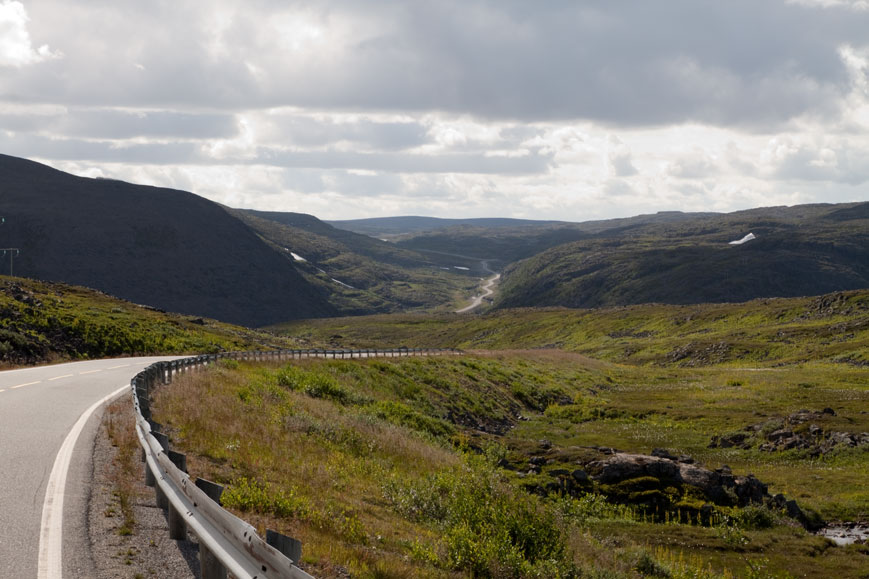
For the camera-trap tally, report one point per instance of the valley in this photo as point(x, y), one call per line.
point(633, 397)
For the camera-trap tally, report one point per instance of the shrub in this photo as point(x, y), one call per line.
point(404, 415)
point(250, 495)
point(753, 518)
point(490, 528)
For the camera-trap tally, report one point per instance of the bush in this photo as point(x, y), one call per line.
point(313, 384)
point(249, 495)
point(404, 415)
point(753, 518)
point(490, 529)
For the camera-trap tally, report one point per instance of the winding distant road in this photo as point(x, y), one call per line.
point(489, 283)
point(46, 442)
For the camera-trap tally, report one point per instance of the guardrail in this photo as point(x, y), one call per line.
point(227, 544)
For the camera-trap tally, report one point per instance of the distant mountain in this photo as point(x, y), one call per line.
point(165, 248)
point(505, 242)
point(797, 251)
point(389, 227)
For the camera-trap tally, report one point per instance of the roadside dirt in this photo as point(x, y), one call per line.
point(143, 549)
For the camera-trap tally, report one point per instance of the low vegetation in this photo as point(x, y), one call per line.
point(768, 332)
point(459, 465)
point(43, 322)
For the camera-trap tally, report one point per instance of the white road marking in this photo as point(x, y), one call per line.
point(116, 367)
point(89, 372)
point(51, 536)
point(23, 385)
point(60, 377)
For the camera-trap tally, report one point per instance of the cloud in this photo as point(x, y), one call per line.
point(619, 158)
point(626, 64)
point(829, 160)
point(16, 49)
point(344, 108)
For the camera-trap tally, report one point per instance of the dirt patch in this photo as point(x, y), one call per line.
point(128, 533)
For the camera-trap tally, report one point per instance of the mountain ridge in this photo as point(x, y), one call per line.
point(166, 248)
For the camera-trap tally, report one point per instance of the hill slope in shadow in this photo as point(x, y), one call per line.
point(165, 248)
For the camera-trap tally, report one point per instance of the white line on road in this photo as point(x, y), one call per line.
point(23, 385)
point(60, 377)
point(116, 367)
point(51, 536)
point(89, 372)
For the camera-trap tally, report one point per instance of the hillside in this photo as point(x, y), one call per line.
point(165, 248)
point(42, 322)
point(804, 250)
point(361, 274)
point(505, 241)
point(597, 438)
point(398, 227)
point(832, 328)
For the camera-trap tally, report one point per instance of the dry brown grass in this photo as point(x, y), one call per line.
point(120, 425)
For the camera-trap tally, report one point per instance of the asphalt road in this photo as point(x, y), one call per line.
point(38, 409)
point(476, 301)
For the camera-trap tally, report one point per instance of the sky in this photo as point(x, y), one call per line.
point(344, 109)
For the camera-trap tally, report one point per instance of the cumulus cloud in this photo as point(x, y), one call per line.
point(347, 108)
point(16, 49)
point(619, 158)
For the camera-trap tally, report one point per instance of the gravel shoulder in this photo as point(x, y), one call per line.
point(142, 549)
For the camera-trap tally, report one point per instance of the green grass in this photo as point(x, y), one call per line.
point(42, 321)
point(419, 466)
point(765, 332)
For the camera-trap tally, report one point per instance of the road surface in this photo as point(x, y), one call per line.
point(39, 407)
point(476, 301)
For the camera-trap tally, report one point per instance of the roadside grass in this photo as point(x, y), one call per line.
point(416, 467)
point(43, 321)
point(120, 427)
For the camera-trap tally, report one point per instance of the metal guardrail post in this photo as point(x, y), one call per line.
point(209, 565)
point(177, 527)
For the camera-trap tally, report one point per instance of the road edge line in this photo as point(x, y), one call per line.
point(50, 564)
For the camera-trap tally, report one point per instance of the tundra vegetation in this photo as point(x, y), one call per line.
point(502, 461)
point(44, 322)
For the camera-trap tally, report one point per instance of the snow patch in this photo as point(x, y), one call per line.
point(296, 256)
point(745, 239)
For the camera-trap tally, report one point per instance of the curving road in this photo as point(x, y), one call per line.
point(476, 301)
point(44, 428)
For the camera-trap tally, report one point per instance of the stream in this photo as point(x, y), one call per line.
point(846, 533)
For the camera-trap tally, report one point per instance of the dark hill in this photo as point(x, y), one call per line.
point(166, 248)
point(803, 250)
point(504, 241)
point(411, 224)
